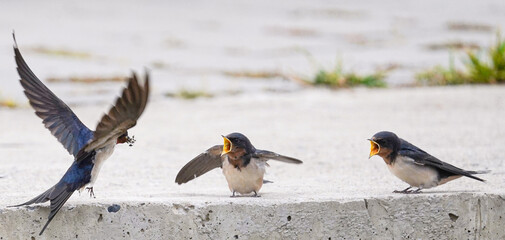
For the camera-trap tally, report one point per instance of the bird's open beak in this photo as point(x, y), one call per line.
point(227, 145)
point(374, 148)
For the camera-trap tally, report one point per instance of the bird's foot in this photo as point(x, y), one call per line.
point(256, 194)
point(404, 191)
point(407, 191)
point(91, 192)
point(416, 191)
point(233, 194)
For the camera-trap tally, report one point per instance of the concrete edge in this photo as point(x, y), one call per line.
point(459, 216)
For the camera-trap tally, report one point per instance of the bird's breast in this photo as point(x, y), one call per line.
point(102, 154)
point(246, 179)
point(414, 174)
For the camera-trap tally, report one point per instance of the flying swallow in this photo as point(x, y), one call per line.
point(243, 165)
point(413, 165)
point(89, 148)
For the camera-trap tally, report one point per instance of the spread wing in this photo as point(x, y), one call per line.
point(55, 114)
point(423, 158)
point(201, 164)
point(266, 155)
point(122, 116)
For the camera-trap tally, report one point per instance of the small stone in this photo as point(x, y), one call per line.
point(113, 208)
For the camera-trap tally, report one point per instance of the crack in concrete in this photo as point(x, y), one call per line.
point(478, 219)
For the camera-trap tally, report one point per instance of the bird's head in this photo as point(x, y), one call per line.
point(235, 142)
point(124, 138)
point(383, 144)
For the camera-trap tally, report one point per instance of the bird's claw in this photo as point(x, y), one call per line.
point(256, 194)
point(417, 191)
point(407, 191)
point(91, 192)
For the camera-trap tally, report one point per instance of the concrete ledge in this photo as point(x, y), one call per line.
point(459, 216)
point(320, 199)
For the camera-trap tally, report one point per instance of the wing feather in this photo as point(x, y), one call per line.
point(201, 164)
point(264, 154)
point(423, 158)
point(52, 110)
point(123, 115)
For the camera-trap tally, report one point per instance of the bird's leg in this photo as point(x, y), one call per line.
point(233, 194)
point(416, 191)
point(256, 194)
point(91, 192)
point(405, 191)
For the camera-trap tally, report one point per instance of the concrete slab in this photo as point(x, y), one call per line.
point(338, 192)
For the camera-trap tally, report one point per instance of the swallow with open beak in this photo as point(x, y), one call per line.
point(243, 165)
point(413, 165)
point(89, 148)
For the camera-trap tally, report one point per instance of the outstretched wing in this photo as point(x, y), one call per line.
point(201, 164)
point(123, 115)
point(423, 158)
point(55, 114)
point(263, 154)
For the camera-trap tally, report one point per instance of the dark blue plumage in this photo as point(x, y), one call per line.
point(55, 114)
point(90, 148)
point(76, 177)
point(79, 173)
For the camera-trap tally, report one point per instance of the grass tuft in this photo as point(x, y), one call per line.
point(478, 69)
point(254, 74)
point(8, 103)
point(61, 52)
point(337, 78)
point(189, 95)
point(88, 80)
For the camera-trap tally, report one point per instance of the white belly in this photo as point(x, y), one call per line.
point(415, 175)
point(245, 180)
point(100, 157)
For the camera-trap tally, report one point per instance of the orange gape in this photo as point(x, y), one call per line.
point(227, 145)
point(374, 148)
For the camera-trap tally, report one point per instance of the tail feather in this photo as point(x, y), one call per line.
point(470, 174)
point(479, 172)
point(44, 197)
point(267, 181)
point(56, 203)
point(474, 177)
point(58, 195)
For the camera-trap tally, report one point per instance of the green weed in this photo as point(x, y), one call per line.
point(187, 94)
point(478, 69)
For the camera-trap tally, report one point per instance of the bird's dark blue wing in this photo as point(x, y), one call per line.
point(55, 114)
point(423, 158)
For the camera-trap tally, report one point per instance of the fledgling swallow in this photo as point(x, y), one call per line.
point(413, 165)
point(89, 148)
point(243, 165)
